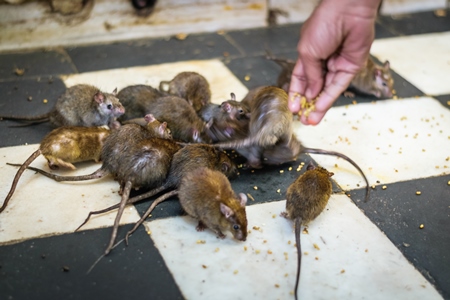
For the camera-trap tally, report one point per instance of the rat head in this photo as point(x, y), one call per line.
point(226, 165)
point(384, 82)
point(108, 104)
point(160, 129)
point(234, 109)
point(235, 214)
point(200, 136)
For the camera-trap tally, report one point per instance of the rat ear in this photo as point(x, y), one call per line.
point(209, 124)
point(195, 134)
point(115, 92)
point(233, 96)
point(226, 211)
point(243, 199)
point(162, 127)
point(99, 97)
point(226, 107)
point(386, 65)
point(149, 118)
point(310, 166)
point(377, 72)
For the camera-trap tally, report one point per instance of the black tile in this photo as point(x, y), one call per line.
point(15, 102)
point(444, 99)
point(382, 31)
point(41, 63)
point(399, 212)
point(277, 39)
point(416, 23)
point(56, 268)
point(151, 51)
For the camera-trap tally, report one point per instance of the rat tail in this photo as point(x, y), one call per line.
point(35, 119)
point(237, 144)
point(298, 225)
point(149, 211)
point(96, 175)
point(338, 154)
point(18, 174)
point(282, 62)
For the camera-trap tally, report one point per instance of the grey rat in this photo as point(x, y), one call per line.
point(181, 118)
point(372, 79)
point(64, 146)
point(80, 105)
point(228, 121)
point(135, 158)
point(191, 86)
point(306, 198)
point(271, 139)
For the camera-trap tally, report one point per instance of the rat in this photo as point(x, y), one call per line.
point(80, 105)
point(271, 139)
point(374, 79)
point(137, 99)
point(190, 157)
point(227, 121)
point(207, 196)
point(306, 198)
point(64, 146)
point(135, 158)
point(181, 118)
point(191, 86)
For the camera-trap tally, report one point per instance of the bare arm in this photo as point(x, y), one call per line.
point(334, 45)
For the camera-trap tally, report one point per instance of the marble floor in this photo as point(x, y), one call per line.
point(395, 246)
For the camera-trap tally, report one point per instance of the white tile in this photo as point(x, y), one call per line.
point(423, 60)
point(355, 260)
point(30, 25)
point(222, 82)
point(392, 140)
point(409, 6)
point(43, 207)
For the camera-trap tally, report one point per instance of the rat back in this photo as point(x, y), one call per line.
point(137, 100)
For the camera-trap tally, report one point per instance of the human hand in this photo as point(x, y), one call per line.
point(334, 45)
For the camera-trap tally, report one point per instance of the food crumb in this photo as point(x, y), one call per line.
point(235, 272)
point(257, 251)
point(306, 253)
point(204, 267)
point(281, 171)
point(247, 78)
point(45, 101)
point(278, 191)
point(269, 252)
point(418, 192)
point(316, 258)
point(305, 231)
point(286, 275)
point(277, 285)
point(65, 269)
point(384, 187)
point(342, 271)
point(255, 187)
point(290, 169)
point(367, 250)
point(316, 246)
point(421, 226)
point(201, 242)
point(216, 250)
point(250, 196)
point(373, 187)
point(256, 228)
point(274, 216)
point(245, 248)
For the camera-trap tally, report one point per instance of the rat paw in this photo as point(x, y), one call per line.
point(348, 94)
point(200, 227)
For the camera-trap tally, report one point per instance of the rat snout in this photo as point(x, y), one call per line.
point(120, 110)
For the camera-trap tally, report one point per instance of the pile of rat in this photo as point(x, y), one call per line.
point(159, 140)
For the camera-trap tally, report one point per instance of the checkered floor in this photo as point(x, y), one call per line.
point(353, 250)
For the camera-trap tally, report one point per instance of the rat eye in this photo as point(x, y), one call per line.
point(109, 106)
point(384, 83)
point(236, 227)
point(241, 111)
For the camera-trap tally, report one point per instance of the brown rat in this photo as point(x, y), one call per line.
point(181, 118)
point(271, 139)
point(135, 158)
point(137, 99)
point(228, 121)
point(306, 198)
point(191, 86)
point(373, 79)
point(80, 105)
point(64, 146)
point(207, 196)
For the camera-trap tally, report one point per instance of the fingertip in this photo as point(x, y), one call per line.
point(294, 104)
